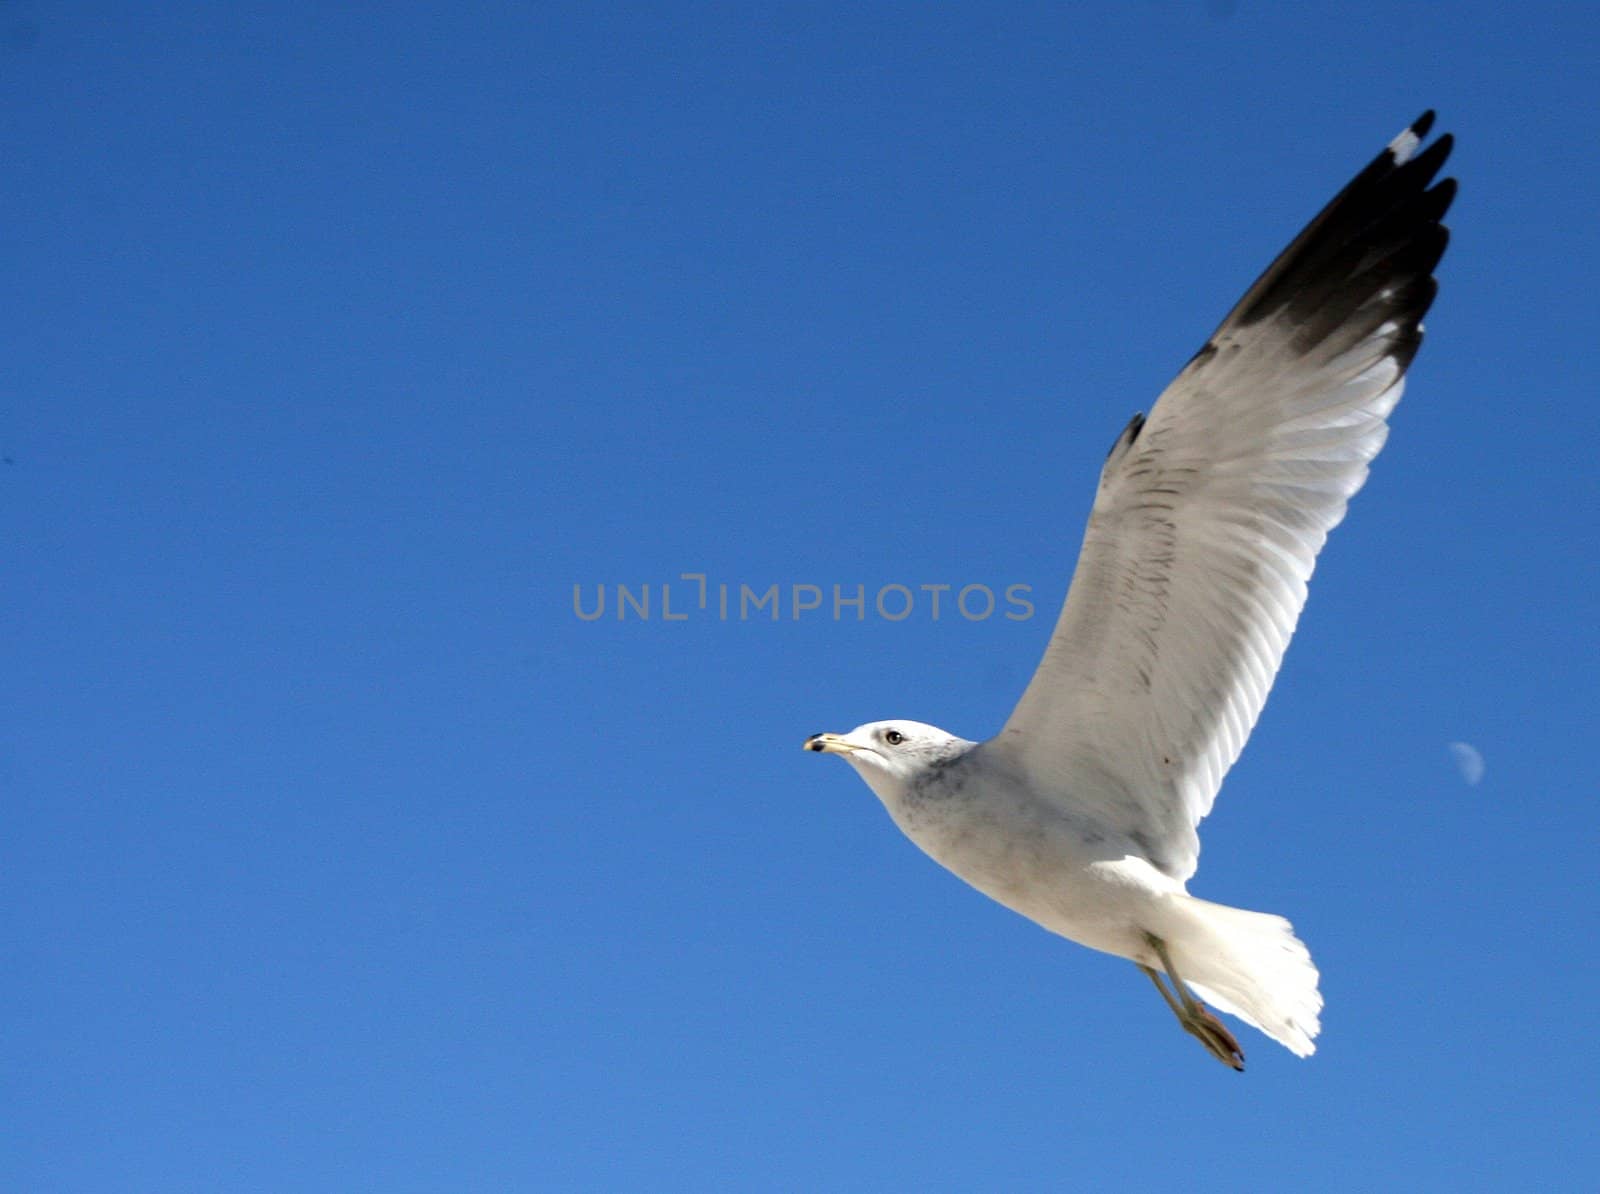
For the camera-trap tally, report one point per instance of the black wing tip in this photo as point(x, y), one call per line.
point(1407, 149)
point(1440, 149)
point(1393, 199)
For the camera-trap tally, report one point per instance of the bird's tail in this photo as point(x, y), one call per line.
point(1251, 965)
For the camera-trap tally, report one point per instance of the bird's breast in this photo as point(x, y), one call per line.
point(1027, 854)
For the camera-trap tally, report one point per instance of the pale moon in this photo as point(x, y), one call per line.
point(1468, 761)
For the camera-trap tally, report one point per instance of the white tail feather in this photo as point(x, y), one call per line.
point(1250, 965)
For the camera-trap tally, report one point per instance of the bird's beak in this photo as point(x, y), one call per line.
point(834, 744)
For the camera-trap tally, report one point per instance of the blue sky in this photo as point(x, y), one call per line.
point(340, 854)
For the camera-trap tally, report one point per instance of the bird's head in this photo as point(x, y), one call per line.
point(890, 755)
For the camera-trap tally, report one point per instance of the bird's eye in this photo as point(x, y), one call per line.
point(893, 737)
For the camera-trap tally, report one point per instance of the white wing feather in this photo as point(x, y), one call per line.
point(1210, 515)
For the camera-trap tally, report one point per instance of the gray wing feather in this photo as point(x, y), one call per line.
point(1210, 514)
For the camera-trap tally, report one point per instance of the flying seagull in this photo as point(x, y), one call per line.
point(1209, 515)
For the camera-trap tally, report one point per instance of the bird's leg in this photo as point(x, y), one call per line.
point(1172, 1002)
point(1197, 1019)
point(1201, 1026)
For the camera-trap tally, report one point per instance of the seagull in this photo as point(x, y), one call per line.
point(1081, 813)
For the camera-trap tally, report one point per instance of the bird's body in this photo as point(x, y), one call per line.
point(1038, 851)
point(1031, 853)
point(1081, 814)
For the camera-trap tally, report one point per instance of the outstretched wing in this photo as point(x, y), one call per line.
point(1210, 514)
